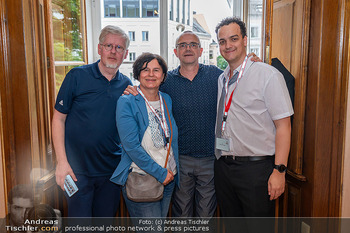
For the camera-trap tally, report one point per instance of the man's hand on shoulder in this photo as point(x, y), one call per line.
point(62, 170)
point(254, 58)
point(276, 184)
point(131, 90)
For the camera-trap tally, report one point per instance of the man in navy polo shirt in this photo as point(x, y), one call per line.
point(84, 130)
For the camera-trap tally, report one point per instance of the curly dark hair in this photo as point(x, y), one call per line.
point(229, 20)
point(146, 58)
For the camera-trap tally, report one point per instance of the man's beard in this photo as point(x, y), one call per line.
point(112, 66)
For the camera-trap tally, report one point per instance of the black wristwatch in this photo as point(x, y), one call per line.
point(281, 168)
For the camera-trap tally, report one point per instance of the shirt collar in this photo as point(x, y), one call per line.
point(177, 70)
point(98, 74)
point(227, 70)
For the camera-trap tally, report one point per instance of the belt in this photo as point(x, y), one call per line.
point(247, 158)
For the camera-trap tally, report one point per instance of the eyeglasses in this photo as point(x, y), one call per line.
point(109, 47)
point(191, 45)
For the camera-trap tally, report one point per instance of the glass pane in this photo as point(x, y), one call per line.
point(183, 11)
point(178, 11)
point(131, 8)
point(60, 73)
point(171, 11)
point(149, 8)
point(144, 35)
point(254, 26)
point(112, 8)
point(68, 43)
point(67, 30)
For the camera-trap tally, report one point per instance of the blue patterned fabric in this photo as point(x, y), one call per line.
point(194, 109)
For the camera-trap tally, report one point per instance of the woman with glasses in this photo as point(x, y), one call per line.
point(147, 129)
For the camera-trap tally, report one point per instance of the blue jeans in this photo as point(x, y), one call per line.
point(150, 209)
point(195, 197)
point(96, 197)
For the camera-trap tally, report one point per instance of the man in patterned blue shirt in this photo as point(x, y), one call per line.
point(193, 90)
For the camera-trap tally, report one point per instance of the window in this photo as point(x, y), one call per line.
point(188, 12)
point(183, 11)
point(254, 26)
point(131, 8)
point(254, 32)
point(68, 37)
point(149, 8)
point(256, 51)
point(178, 11)
point(144, 35)
point(211, 54)
point(171, 12)
point(112, 8)
point(132, 35)
point(132, 56)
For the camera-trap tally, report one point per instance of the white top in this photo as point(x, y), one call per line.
point(260, 98)
point(153, 141)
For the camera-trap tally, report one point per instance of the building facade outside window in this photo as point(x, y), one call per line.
point(112, 8)
point(132, 35)
point(131, 8)
point(150, 8)
point(144, 35)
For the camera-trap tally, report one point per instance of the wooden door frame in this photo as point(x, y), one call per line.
point(4, 71)
point(296, 159)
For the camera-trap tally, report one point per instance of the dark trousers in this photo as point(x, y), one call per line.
point(242, 187)
point(97, 197)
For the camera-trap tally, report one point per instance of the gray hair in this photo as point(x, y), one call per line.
point(187, 32)
point(115, 30)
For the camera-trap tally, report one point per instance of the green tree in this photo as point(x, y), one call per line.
point(221, 62)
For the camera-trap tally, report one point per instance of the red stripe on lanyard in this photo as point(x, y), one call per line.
point(162, 121)
point(228, 105)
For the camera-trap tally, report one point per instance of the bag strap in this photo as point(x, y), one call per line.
point(171, 134)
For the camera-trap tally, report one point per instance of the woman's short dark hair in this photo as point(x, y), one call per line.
point(146, 58)
point(229, 20)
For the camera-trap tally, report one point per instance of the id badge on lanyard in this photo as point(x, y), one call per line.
point(162, 120)
point(220, 142)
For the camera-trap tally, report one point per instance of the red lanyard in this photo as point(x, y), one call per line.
point(228, 105)
point(162, 120)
